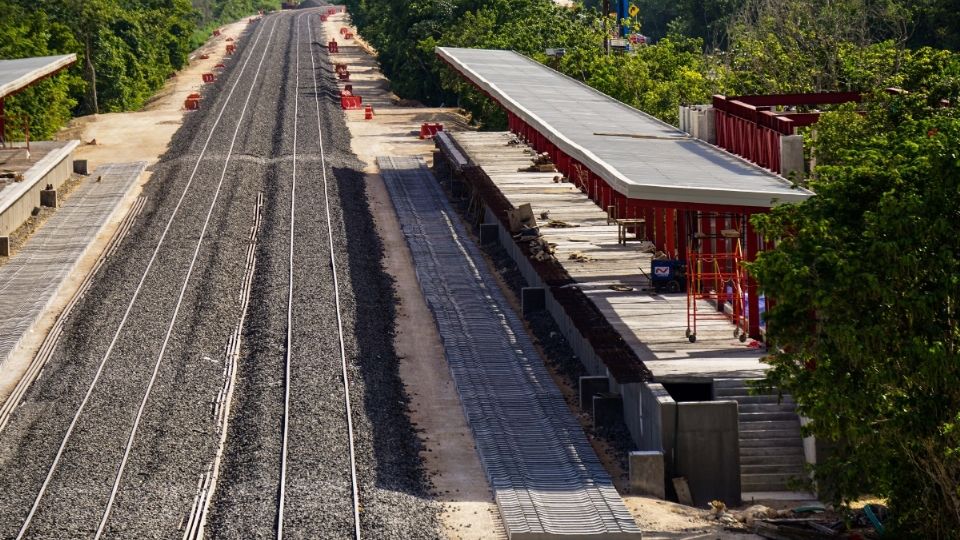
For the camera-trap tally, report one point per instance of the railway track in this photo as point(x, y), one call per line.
point(93, 385)
point(167, 407)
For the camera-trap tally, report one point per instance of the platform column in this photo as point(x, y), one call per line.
point(648, 222)
point(671, 216)
point(753, 300)
point(3, 126)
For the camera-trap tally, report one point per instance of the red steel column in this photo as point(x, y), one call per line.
point(648, 222)
point(753, 299)
point(658, 216)
point(682, 234)
point(671, 238)
point(3, 125)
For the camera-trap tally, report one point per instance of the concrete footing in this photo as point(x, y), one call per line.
point(791, 155)
point(48, 198)
point(489, 233)
point(80, 166)
point(591, 385)
point(4, 246)
point(607, 409)
point(646, 473)
point(532, 299)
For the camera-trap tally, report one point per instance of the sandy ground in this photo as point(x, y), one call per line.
point(450, 455)
point(120, 137)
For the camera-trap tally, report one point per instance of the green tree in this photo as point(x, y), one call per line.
point(866, 282)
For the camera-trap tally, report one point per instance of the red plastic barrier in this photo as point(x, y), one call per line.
point(428, 130)
point(344, 30)
point(333, 47)
point(368, 112)
point(231, 48)
point(192, 102)
point(204, 56)
point(343, 75)
point(348, 88)
point(323, 18)
point(219, 66)
point(216, 32)
point(348, 35)
point(351, 103)
point(208, 78)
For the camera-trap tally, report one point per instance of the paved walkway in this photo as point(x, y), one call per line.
point(30, 281)
point(547, 480)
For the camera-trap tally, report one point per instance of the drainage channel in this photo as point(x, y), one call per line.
point(547, 480)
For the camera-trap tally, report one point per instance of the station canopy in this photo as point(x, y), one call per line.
point(15, 75)
point(638, 155)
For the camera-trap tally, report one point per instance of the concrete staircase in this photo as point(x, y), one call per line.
point(771, 447)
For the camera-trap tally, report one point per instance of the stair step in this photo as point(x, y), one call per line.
point(763, 425)
point(749, 417)
point(766, 482)
point(731, 383)
point(795, 468)
point(726, 393)
point(766, 407)
point(772, 459)
point(766, 434)
point(772, 442)
point(770, 451)
point(764, 399)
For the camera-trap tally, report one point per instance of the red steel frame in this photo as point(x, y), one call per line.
point(750, 127)
point(714, 264)
point(669, 236)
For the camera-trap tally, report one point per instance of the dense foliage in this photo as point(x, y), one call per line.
point(126, 49)
point(866, 278)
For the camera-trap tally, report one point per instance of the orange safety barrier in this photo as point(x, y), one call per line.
point(231, 48)
point(229, 39)
point(348, 35)
point(344, 30)
point(219, 66)
point(343, 75)
point(368, 112)
point(428, 129)
point(333, 47)
point(351, 103)
point(208, 78)
point(216, 32)
point(204, 56)
point(348, 88)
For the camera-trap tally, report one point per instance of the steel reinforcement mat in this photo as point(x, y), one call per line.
point(29, 282)
point(546, 478)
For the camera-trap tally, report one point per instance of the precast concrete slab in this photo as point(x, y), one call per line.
point(547, 480)
point(30, 281)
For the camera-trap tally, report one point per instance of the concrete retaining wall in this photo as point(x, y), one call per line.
point(56, 171)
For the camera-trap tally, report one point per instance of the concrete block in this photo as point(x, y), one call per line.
point(708, 126)
point(590, 386)
point(791, 155)
point(4, 246)
point(80, 166)
point(532, 299)
point(607, 409)
point(489, 233)
point(48, 198)
point(646, 473)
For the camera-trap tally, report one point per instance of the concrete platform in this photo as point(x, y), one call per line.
point(652, 324)
point(32, 279)
point(47, 162)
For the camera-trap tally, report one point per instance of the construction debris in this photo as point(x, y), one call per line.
point(559, 224)
point(580, 257)
point(541, 163)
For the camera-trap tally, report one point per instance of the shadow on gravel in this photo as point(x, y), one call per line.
point(396, 447)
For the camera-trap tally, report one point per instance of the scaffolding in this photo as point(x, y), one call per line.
point(715, 272)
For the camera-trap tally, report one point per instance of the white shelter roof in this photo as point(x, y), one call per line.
point(17, 74)
point(638, 155)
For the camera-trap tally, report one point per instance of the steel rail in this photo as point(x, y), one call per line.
point(282, 490)
point(336, 292)
point(67, 436)
point(183, 291)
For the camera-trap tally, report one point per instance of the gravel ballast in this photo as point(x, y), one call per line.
point(178, 434)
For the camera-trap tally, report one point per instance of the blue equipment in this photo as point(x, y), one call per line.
point(668, 275)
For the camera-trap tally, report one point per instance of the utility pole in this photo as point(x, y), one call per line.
point(606, 32)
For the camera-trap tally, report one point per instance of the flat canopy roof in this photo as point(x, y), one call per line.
point(15, 75)
point(638, 155)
